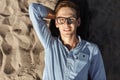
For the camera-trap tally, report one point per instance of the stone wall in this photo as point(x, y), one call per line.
point(21, 53)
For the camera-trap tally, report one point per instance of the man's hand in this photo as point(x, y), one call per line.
point(51, 14)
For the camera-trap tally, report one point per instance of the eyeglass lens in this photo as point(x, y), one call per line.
point(62, 20)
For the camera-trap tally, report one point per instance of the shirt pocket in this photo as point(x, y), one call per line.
point(80, 62)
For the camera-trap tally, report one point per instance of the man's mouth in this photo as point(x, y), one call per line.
point(66, 30)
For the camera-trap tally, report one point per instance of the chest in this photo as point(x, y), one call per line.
point(74, 63)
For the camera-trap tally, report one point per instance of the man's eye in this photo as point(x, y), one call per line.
point(61, 19)
point(72, 19)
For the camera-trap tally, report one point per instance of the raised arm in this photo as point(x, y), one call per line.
point(37, 13)
point(97, 71)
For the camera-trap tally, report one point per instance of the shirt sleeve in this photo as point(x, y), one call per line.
point(97, 71)
point(37, 12)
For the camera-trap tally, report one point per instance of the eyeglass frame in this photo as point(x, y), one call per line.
point(67, 19)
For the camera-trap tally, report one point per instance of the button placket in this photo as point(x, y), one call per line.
point(69, 65)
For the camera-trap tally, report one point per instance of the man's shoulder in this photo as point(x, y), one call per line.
point(91, 47)
point(90, 44)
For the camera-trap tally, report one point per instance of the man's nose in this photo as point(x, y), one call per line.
point(68, 21)
point(66, 25)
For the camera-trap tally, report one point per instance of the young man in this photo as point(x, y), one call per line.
point(67, 57)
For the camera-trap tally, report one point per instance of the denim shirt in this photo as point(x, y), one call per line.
point(61, 63)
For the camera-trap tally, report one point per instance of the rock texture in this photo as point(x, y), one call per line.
point(21, 53)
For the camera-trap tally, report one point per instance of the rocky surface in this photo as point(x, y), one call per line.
point(21, 53)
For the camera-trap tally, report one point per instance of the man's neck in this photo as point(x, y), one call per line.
point(70, 41)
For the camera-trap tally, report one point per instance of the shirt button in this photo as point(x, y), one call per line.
point(83, 55)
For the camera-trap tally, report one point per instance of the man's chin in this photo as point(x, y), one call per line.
point(67, 34)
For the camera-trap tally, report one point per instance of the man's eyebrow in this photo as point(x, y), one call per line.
point(66, 17)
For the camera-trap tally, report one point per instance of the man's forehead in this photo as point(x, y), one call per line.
point(66, 12)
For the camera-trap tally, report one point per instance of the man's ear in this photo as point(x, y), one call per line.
point(78, 22)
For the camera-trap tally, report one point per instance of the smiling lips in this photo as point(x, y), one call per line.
point(66, 30)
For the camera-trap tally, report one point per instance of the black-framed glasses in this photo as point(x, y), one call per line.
point(62, 20)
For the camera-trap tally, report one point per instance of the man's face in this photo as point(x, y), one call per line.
point(67, 21)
